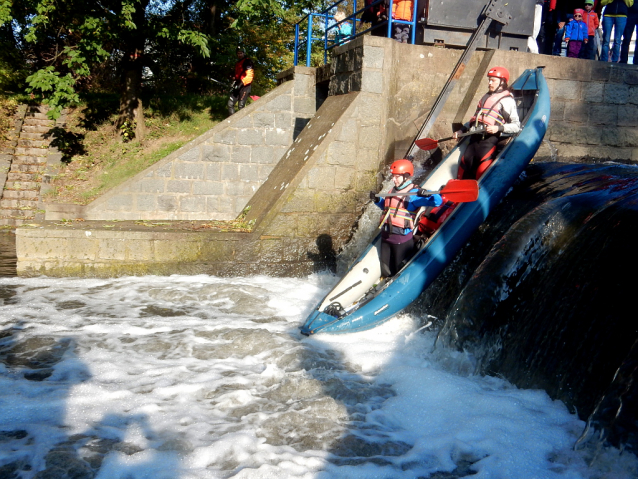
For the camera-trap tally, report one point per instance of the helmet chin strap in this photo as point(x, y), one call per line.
point(405, 183)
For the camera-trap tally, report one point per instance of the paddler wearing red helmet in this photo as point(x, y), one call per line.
point(397, 219)
point(496, 116)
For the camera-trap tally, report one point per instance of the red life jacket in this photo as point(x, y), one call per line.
point(431, 220)
point(397, 205)
point(488, 110)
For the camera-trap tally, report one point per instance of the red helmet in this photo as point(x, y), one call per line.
point(579, 11)
point(499, 72)
point(402, 167)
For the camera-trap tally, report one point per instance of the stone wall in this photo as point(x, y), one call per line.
point(305, 210)
point(215, 175)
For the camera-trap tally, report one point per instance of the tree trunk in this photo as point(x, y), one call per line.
point(131, 100)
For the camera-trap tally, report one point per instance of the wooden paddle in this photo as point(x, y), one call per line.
point(457, 191)
point(430, 144)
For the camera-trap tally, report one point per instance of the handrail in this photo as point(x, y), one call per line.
point(326, 15)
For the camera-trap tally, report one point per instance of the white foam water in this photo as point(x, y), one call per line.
point(204, 377)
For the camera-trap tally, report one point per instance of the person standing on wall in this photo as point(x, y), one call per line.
point(590, 17)
point(576, 34)
point(632, 21)
point(242, 81)
point(496, 115)
point(532, 44)
point(615, 17)
point(402, 10)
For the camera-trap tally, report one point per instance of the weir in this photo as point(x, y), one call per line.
point(303, 159)
point(526, 294)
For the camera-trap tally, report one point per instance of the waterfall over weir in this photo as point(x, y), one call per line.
point(543, 293)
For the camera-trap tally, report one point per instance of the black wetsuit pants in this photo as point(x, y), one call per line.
point(480, 149)
point(238, 96)
point(393, 256)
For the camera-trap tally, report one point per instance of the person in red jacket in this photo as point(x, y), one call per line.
point(588, 50)
point(242, 81)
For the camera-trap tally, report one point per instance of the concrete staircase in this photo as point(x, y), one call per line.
point(20, 201)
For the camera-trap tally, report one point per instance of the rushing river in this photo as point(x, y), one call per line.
point(203, 377)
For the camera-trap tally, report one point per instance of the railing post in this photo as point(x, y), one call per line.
point(325, 35)
point(413, 29)
point(390, 19)
point(296, 43)
point(309, 45)
point(354, 19)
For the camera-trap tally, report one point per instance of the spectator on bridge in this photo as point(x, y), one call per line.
point(242, 81)
point(402, 10)
point(496, 115)
point(588, 50)
point(342, 30)
point(576, 33)
point(632, 21)
point(615, 17)
point(375, 15)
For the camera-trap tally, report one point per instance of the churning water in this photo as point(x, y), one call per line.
point(203, 377)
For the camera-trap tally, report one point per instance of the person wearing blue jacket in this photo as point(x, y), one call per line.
point(576, 33)
point(397, 220)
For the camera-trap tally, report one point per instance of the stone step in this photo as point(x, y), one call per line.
point(17, 214)
point(19, 176)
point(38, 117)
point(14, 221)
point(20, 194)
point(29, 160)
point(28, 143)
point(28, 135)
point(22, 185)
point(18, 204)
point(35, 128)
point(25, 168)
point(31, 151)
point(38, 108)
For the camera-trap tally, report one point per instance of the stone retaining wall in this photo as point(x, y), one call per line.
point(215, 175)
point(305, 210)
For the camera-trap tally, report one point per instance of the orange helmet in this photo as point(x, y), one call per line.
point(499, 72)
point(402, 167)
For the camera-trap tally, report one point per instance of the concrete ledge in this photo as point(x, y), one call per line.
point(109, 249)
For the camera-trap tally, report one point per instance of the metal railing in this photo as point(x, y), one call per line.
point(319, 33)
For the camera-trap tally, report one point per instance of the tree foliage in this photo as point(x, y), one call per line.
point(68, 47)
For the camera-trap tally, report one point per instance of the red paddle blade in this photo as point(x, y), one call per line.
point(461, 191)
point(426, 143)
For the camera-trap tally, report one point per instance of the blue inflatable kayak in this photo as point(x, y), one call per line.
point(362, 300)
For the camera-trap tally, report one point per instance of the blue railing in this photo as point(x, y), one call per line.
point(321, 31)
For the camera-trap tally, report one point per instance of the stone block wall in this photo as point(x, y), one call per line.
point(305, 210)
point(215, 175)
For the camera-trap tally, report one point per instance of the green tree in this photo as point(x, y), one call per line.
point(68, 40)
point(167, 45)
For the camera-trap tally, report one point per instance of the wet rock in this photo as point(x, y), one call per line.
point(39, 375)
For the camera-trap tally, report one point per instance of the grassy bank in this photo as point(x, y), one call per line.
point(97, 158)
point(8, 107)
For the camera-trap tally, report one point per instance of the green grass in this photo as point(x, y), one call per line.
point(97, 158)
